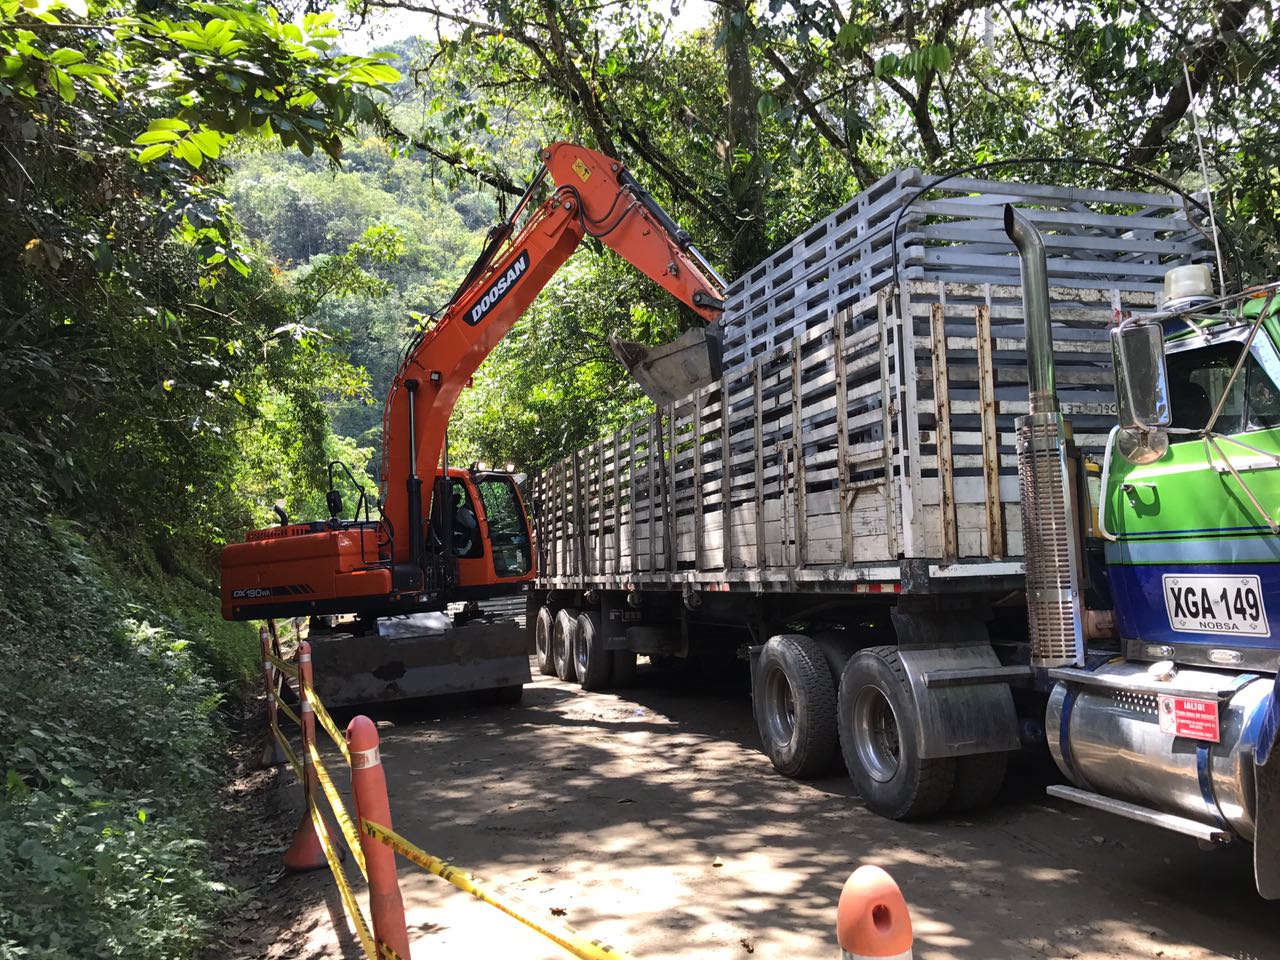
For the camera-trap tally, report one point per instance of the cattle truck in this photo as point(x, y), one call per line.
point(989, 468)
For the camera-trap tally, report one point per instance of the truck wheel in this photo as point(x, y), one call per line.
point(879, 739)
point(592, 661)
point(978, 781)
point(564, 636)
point(542, 629)
point(795, 706)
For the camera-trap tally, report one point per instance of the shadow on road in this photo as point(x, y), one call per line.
point(624, 802)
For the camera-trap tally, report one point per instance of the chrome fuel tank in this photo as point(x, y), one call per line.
point(1105, 734)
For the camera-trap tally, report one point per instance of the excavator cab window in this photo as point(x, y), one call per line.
point(468, 544)
point(508, 527)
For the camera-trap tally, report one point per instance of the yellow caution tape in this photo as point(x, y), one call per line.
point(339, 811)
point(344, 888)
point(386, 953)
point(330, 727)
point(284, 708)
point(566, 937)
point(288, 751)
point(288, 669)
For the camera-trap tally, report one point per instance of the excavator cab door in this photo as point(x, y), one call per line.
point(479, 527)
point(506, 527)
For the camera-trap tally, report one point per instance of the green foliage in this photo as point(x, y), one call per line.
point(110, 740)
point(147, 362)
point(134, 360)
point(304, 214)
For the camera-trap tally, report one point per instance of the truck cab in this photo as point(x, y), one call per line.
point(1174, 727)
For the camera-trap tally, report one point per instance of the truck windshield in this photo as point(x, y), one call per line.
point(508, 531)
point(1196, 381)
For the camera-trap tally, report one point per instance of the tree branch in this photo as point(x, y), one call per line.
point(1206, 59)
point(496, 180)
point(860, 170)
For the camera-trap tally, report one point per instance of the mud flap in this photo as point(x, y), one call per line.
point(1266, 778)
point(671, 371)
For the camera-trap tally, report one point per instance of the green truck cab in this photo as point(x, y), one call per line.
point(1155, 625)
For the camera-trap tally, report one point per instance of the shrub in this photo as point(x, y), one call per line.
point(110, 737)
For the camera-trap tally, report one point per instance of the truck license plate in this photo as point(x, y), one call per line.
point(1217, 605)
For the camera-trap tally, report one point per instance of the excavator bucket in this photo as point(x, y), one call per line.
point(671, 371)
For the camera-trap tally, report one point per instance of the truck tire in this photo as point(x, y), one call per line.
point(542, 629)
point(795, 706)
point(879, 739)
point(564, 636)
point(593, 664)
point(978, 781)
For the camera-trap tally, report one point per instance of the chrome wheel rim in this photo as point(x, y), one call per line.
point(779, 708)
point(559, 653)
point(876, 736)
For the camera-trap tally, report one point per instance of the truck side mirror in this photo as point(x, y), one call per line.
point(333, 499)
point(1142, 380)
point(1142, 391)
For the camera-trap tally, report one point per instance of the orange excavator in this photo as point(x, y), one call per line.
point(444, 535)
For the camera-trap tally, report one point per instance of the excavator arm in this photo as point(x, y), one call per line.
point(594, 196)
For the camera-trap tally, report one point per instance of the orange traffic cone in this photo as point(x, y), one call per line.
point(306, 851)
point(872, 921)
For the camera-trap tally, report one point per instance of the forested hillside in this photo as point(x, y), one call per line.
point(161, 389)
point(552, 385)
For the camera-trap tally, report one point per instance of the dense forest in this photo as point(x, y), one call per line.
point(219, 228)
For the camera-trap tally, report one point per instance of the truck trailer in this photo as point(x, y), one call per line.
point(990, 468)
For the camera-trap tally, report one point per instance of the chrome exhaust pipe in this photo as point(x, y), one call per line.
point(1035, 309)
point(1049, 533)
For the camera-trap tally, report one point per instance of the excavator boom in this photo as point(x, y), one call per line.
point(594, 196)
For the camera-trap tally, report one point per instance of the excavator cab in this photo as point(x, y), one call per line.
point(479, 527)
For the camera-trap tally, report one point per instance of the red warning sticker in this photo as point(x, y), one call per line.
point(1185, 717)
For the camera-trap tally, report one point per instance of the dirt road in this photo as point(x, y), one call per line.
point(653, 821)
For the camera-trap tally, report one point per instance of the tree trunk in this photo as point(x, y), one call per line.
point(743, 163)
